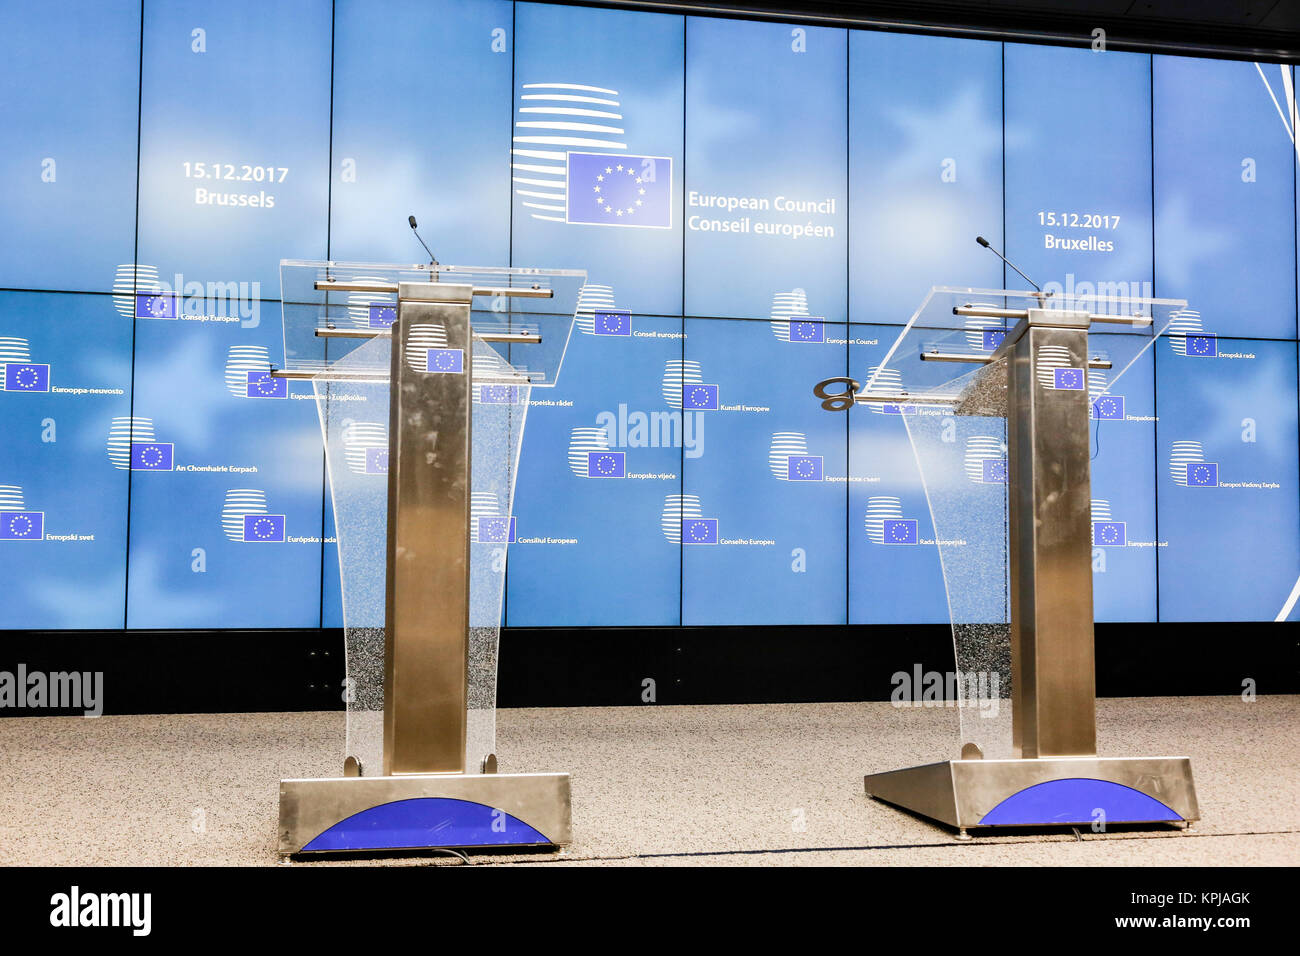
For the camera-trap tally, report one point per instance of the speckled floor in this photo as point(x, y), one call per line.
point(736, 785)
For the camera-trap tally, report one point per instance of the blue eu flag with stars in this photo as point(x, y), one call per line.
point(617, 322)
point(1109, 408)
point(1202, 474)
point(803, 467)
point(264, 385)
point(807, 330)
point(606, 464)
point(1109, 534)
point(613, 189)
point(152, 456)
point(22, 525)
point(699, 531)
point(700, 397)
point(900, 531)
point(268, 529)
point(27, 377)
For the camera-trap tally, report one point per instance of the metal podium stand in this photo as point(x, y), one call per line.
point(451, 353)
point(1036, 371)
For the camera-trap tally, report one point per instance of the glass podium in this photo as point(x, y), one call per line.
point(999, 391)
point(422, 378)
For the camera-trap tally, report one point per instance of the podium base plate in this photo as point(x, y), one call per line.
point(424, 811)
point(1045, 791)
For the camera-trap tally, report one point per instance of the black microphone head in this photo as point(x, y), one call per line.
point(982, 241)
point(411, 220)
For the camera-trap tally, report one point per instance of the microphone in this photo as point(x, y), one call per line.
point(985, 243)
point(432, 261)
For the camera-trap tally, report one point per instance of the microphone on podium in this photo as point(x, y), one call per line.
point(411, 221)
point(985, 243)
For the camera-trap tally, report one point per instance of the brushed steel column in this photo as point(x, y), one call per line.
point(427, 596)
point(1050, 537)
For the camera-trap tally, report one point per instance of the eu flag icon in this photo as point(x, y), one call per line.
point(699, 531)
point(807, 330)
point(1203, 345)
point(22, 525)
point(152, 455)
point(892, 408)
point(496, 529)
point(1109, 534)
point(1109, 408)
point(992, 339)
point(446, 361)
point(382, 315)
point(264, 385)
point(606, 464)
point(26, 377)
point(155, 306)
point(803, 468)
point(1202, 474)
point(617, 322)
point(498, 394)
point(376, 461)
point(900, 531)
point(609, 189)
point(1068, 379)
point(267, 529)
point(700, 398)
point(994, 471)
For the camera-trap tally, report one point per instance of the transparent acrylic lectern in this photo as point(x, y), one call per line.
point(422, 378)
point(1000, 391)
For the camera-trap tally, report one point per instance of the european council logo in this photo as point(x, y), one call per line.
point(1054, 370)
point(683, 522)
point(986, 460)
point(886, 381)
point(133, 446)
point(554, 117)
point(423, 339)
point(1188, 467)
point(131, 280)
point(679, 375)
point(365, 447)
point(16, 522)
point(21, 374)
point(679, 509)
point(788, 458)
point(248, 373)
point(597, 313)
point(487, 523)
point(885, 522)
point(244, 518)
point(1106, 531)
point(791, 322)
point(1188, 337)
point(622, 190)
point(985, 334)
point(590, 455)
point(1103, 406)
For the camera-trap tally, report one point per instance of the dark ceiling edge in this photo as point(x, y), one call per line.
point(1129, 34)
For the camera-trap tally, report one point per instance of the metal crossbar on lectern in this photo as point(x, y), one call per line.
point(427, 794)
point(1037, 379)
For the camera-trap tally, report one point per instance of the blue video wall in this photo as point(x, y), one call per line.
point(774, 172)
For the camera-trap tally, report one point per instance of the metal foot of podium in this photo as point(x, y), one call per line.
point(424, 811)
point(1047, 791)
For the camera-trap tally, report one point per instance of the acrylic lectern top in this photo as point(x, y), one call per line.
point(956, 328)
point(356, 301)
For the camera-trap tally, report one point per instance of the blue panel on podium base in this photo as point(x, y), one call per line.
point(427, 822)
point(1077, 800)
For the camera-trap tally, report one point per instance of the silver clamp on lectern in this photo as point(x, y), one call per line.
point(1004, 453)
point(422, 377)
